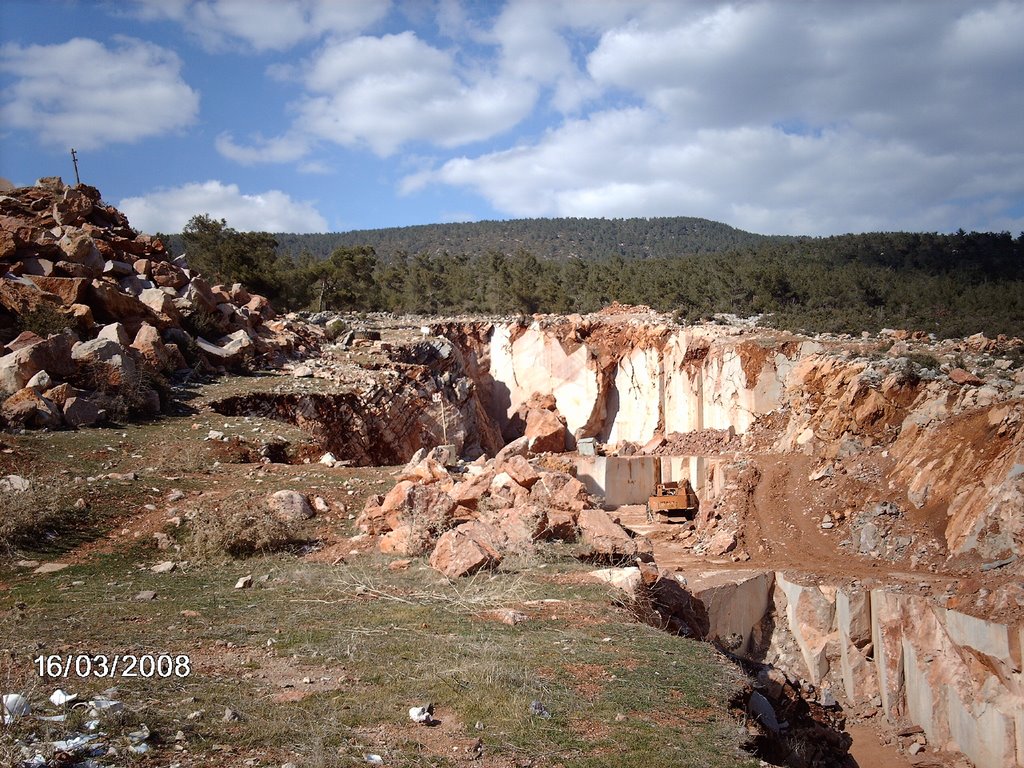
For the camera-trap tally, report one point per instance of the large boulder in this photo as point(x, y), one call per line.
point(151, 347)
point(82, 412)
point(545, 431)
point(231, 351)
point(110, 304)
point(109, 363)
point(520, 470)
point(465, 550)
point(70, 290)
point(27, 408)
point(52, 355)
point(517, 528)
point(558, 490)
point(290, 506)
point(607, 541)
point(80, 249)
point(73, 207)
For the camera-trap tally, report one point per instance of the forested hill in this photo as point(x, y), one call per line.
point(587, 239)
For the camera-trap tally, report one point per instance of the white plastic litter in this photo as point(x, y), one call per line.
point(59, 698)
point(103, 704)
point(15, 705)
point(422, 714)
point(75, 744)
point(375, 759)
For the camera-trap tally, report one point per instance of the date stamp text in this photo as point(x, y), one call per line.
point(145, 665)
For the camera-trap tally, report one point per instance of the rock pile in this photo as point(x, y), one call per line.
point(470, 520)
point(94, 316)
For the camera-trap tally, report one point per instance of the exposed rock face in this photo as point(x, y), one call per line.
point(628, 383)
point(631, 381)
point(957, 676)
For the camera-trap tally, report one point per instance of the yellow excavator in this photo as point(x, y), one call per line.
point(673, 502)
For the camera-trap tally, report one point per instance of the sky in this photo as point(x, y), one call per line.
point(776, 117)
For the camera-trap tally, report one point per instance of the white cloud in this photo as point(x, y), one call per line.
point(86, 95)
point(776, 117)
point(168, 210)
point(283, 149)
point(383, 92)
point(264, 25)
point(633, 163)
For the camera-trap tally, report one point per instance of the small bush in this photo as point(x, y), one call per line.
point(240, 527)
point(924, 360)
point(200, 322)
point(34, 516)
point(44, 320)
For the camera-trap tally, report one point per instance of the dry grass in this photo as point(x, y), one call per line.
point(36, 516)
point(239, 526)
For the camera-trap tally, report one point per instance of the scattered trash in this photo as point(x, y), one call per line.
point(59, 698)
point(244, 583)
point(99, 704)
point(14, 706)
point(423, 715)
point(537, 709)
point(375, 759)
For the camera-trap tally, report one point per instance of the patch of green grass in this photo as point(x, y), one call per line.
point(387, 641)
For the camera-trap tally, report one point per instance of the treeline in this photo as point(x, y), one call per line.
point(952, 285)
point(545, 238)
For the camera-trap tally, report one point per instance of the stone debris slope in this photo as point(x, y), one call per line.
point(95, 317)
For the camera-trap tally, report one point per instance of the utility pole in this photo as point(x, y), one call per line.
point(74, 159)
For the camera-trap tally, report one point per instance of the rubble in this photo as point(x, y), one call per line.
point(473, 519)
point(113, 313)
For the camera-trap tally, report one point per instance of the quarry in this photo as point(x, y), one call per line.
point(853, 556)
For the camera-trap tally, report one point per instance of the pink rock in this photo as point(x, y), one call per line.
point(545, 432)
point(722, 542)
point(960, 376)
point(606, 539)
point(520, 470)
point(465, 550)
point(27, 408)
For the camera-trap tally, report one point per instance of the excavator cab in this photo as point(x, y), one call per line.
point(673, 502)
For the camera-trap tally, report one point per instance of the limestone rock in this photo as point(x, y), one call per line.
point(545, 432)
point(607, 540)
point(465, 550)
point(82, 412)
point(52, 355)
point(150, 346)
point(27, 408)
point(721, 543)
point(520, 470)
point(960, 376)
point(290, 506)
point(70, 290)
